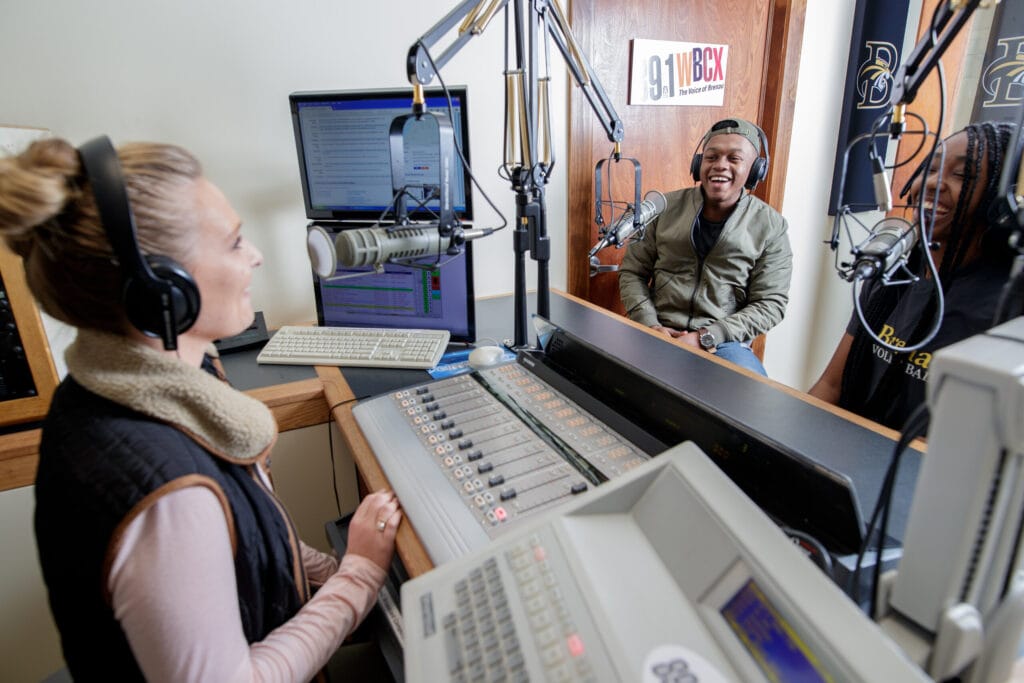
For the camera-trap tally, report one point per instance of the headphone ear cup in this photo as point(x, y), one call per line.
point(144, 304)
point(695, 163)
point(758, 171)
point(184, 291)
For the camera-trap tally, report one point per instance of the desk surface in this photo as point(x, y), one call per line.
point(301, 396)
point(837, 439)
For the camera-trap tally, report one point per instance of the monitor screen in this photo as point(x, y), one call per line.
point(425, 296)
point(342, 140)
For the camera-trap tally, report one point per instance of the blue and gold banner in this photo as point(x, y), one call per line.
point(876, 47)
point(1001, 86)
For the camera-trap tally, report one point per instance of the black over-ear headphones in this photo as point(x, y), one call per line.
point(758, 170)
point(160, 297)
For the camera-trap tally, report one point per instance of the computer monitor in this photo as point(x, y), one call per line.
point(342, 139)
point(433, 294)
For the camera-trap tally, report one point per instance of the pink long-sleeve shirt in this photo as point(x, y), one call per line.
point(173, 591)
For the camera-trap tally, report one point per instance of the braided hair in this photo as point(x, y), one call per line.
point(987, 140)
point(987, 144)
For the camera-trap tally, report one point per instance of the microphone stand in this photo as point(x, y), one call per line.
point(529, 170)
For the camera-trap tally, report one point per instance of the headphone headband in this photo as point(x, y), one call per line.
point(99, 158)
point(753, 133)
point(160, 298)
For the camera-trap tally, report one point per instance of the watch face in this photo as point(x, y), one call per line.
point(707, 340)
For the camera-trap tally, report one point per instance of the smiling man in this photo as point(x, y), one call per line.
point(713, 270)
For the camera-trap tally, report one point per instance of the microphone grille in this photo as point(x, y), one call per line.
point(656, 199)
point(321, 252)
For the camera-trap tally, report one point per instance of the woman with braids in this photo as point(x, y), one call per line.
point(165, 552)
point(973, 264)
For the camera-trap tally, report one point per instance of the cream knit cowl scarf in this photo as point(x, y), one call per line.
point(225, 421)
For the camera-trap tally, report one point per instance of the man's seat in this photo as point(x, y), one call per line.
point(757, 346)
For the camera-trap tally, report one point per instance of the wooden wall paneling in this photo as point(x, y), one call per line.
point(782, 71)
point(928, 102)
point(761, 35)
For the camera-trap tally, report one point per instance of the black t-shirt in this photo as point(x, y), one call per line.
point(894, 383)
point(705, 235)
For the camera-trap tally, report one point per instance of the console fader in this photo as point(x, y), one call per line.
point(470, 455)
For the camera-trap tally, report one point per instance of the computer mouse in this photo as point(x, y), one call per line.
point(485, 356)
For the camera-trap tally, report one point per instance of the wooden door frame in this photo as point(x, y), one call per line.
point(782, 67)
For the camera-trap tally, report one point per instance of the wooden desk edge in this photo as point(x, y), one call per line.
point(294, 405)
point(341, 399)
point(328, 396)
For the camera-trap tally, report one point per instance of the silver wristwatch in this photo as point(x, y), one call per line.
point(707, 340)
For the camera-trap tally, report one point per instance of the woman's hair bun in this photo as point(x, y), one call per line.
point(34, 188)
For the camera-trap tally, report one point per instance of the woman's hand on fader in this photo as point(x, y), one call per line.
point(371, 533)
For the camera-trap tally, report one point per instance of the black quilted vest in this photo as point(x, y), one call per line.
point(97, 461)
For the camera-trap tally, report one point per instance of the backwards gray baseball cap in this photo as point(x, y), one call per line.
point(737, 127)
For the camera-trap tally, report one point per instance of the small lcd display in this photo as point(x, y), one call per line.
point(778, 650)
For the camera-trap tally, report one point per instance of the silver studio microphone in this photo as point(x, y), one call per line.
point(890, 241)
point(355, 248)
point(650, 208)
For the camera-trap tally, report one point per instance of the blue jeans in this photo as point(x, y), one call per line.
point(737, 353)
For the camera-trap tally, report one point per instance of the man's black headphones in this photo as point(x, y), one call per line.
point(160, 297)
point(758, 170)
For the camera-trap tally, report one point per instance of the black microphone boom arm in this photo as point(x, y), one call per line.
point(949, 18)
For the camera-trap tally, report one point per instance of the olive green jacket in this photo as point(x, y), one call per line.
point(739, 291)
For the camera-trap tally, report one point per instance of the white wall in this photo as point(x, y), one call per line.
point(215, 78)
point(819, 304)
point(29, 644)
